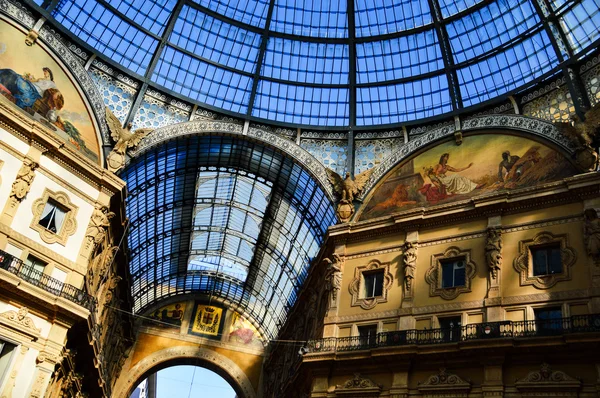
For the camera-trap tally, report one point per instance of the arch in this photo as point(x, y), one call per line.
point(54, 41)
point(224, 366)
point(208, 127)
point(536, 127)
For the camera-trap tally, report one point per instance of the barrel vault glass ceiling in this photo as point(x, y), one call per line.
point(227, 218)
point(333, 63)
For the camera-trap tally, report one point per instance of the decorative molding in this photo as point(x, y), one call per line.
point(409, 260)
point(69, 225)
point(445, 384)
point(452, 239)
point(45, 356)
point(370, 135)
point(207, 127)
point(433, 276)
point(548, 382)
point(22, 184)
point(523, 264)
point(21, 322)
point(129, 379)
point(356, 286)
point(544, 90)
point(493, 252)
point(358, 386)
point(324, 135)
point(537, 127)
point(543, 224)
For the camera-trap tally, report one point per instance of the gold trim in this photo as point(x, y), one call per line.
point(69, 225)
point(434, 273)
point(523, 264)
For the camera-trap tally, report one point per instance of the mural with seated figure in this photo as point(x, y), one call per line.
point(483, 164)
point(33, 81)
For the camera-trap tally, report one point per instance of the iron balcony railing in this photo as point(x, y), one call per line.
point(45, 282)
point(479, 331)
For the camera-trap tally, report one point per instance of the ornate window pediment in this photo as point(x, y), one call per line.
point(548, 383)
point(19, 321)
point(369, 297)
point(435, 274)
point(445, 384)
point(524, 263)
point(358, 386)
point(54, 217)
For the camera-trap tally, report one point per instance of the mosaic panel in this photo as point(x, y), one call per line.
point(331, 153)
point(156, 111)
point(556, 106)
point(592, 84)
point(117, 96)
point(369, 153)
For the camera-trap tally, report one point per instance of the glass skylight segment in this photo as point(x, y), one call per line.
point(151, 14)
point(306, 62)
point(317, 18)
point(451, 7)
point(380, 17)
point(507, 70)
point(582, 24)
point(215, 40)
point(397, 58)
point(301, 104)
point(99, 27)
point(402, 102)
point(251, 12)
point(202, 81)
point(490, 27)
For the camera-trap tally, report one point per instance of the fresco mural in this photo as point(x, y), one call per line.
point(243, 332)
point(482, 164)
point(34, 82)
point(168, 316)
point(207, 321)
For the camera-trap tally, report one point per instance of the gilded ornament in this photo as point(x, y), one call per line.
point(347, 189)
point(31, 37)
point(124, 138)
point(584, 135)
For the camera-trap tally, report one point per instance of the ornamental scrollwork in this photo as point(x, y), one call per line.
point(20, 321)
point(445, 381)
point(433, 276)
point(69, 223)
point(356, 287)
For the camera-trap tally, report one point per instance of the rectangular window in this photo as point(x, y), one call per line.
point(53, 216)
point(6, 351)
point(453, 273)
point(546, 260)
point(373, 284)
point(548, 320)
point(34, 267)
point(368, 335)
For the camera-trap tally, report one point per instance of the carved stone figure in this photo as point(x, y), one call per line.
point(31, 37)
point(347, 189)
point(410, 264)
point(458, 137)
point(493, 251)
point(100, 221)
point(333, 275)
point(591, 234)
point(98, 269)
point(584, 135)
point(25, 177)
point(124, 139)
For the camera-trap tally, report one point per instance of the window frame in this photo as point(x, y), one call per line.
point(434, 275)
point(69, 224)
point(357, 287)
point(523, 263)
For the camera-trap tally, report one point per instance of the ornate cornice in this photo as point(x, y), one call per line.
point(19, 321)
point(208, 127)
point(548, 380)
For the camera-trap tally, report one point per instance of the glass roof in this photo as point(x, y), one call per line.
point(223, 217)
point(335, 63)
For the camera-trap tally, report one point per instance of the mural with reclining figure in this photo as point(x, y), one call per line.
point(32, 80)
point(483, 164)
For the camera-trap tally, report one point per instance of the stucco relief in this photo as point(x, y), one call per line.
point(20, 321)
point(433, 276)
point(356, 287)
point(69, 223)
point(130, 378)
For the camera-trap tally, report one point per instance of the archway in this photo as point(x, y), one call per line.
point(184, 381)
point(182, 355)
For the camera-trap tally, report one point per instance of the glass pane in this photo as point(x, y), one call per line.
point(447, 274)
point(379, 284)
point(555, 260)
point(459, 276)
point(540, 262)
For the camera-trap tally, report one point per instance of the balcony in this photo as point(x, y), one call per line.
point(45, 282)
point(480, 331)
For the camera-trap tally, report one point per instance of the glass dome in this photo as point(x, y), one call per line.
point(330, 63)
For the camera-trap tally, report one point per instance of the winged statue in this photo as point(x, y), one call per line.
point(585, 135)
point(124, 138)
point(347, 189)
